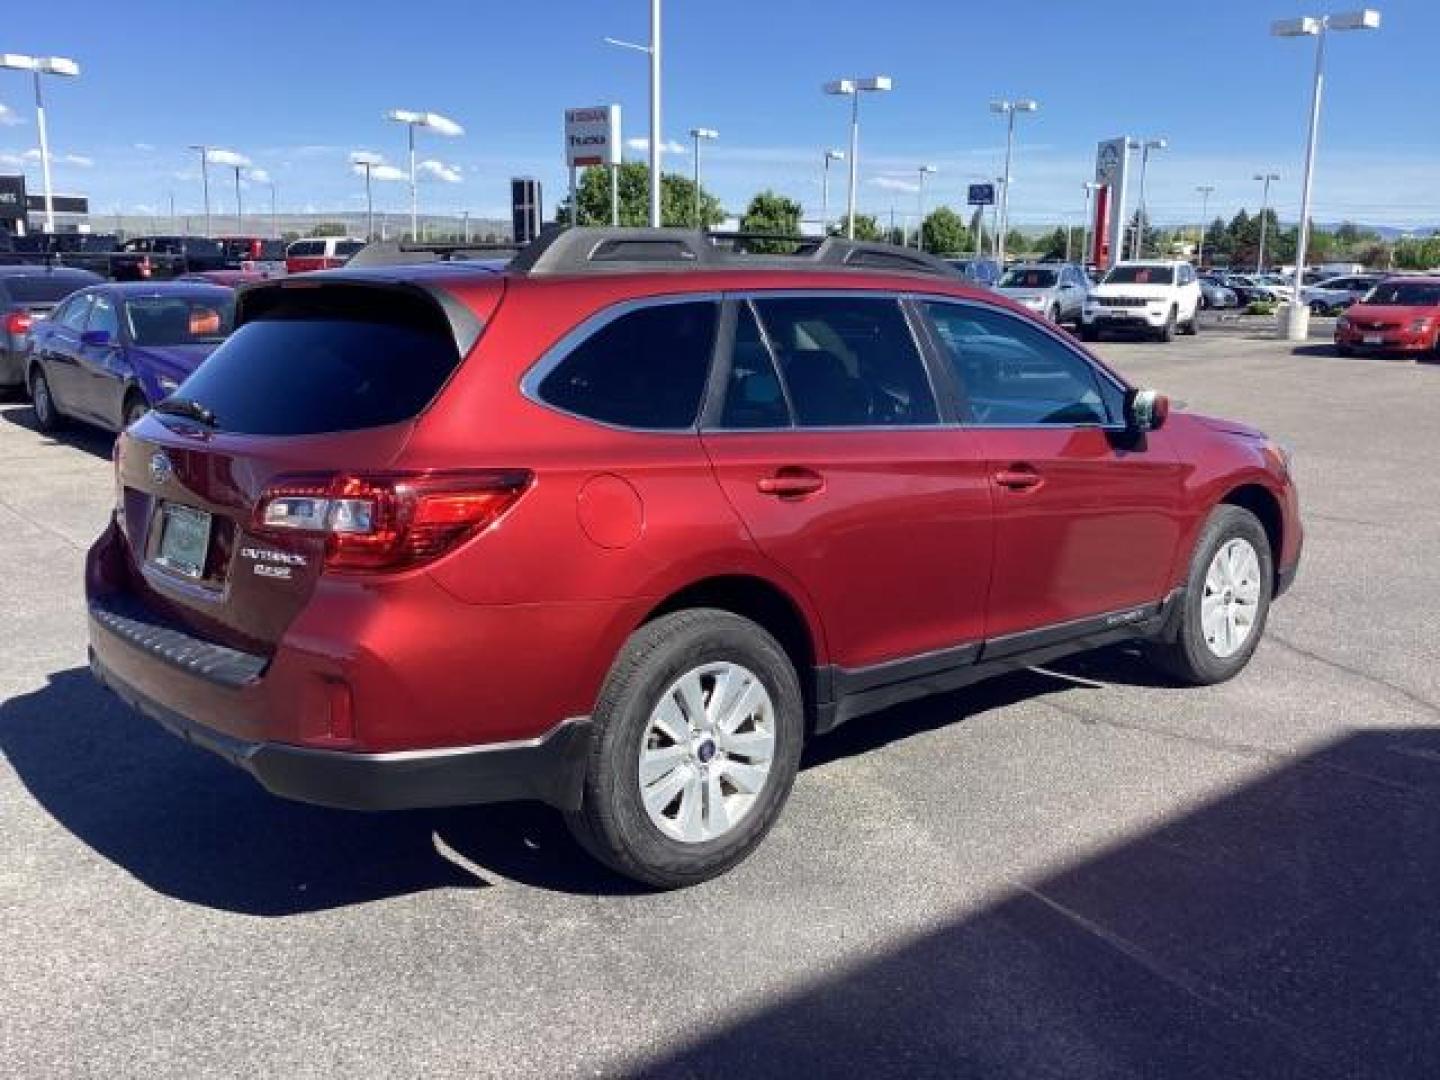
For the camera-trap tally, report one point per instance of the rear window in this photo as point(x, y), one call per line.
point(180, 320)
point(644, 369)
point(44, 290)
point(302, 248)
point(338, 359)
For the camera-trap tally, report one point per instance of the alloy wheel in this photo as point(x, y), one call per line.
point(1231, 601)
point(707, 751)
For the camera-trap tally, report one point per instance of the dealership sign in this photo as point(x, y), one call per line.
point(12, 198)
point(982, 195)
point(592, 136)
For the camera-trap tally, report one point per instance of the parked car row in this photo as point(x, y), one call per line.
point(164, 257)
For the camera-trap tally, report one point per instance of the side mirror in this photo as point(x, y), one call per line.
point(95, 337)
point(1146, 410)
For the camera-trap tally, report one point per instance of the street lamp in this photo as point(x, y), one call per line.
point(239, 210)
point(1008, 109)
point(854, 88)
point(1090, 188)
point(830, 155)
point(653, 51)
point(204, 152)
point(696, 134)
point(412, 120)
point(1145, 147)
point(1265, 178)
point(1205, 190)
point(925, 170)
point(1316, 27)
point(37, 66)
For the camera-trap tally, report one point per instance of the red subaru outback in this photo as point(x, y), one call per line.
point(620, 526)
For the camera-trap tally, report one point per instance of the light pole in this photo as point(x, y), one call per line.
point(1310, 26)
point(830, 155)
point(204, 152)
point(696, 135)
point(653, 51)
point(434, 122)
point(274, 212)
point(996, 248)
point(1205, 190)
point(1137, 247)
point(239, 210)
point(1265, 178)
point(1008, 109)
point(925, 170)
point(1090, 188)
point(37, 66)
point(854, 88)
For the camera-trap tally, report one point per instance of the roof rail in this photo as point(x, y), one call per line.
point(407, 253)
point(600, 250)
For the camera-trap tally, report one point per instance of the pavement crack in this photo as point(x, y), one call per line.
point(1339, 665)
point(7, 505)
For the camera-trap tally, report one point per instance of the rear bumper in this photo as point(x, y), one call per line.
point(12, 367)
point(550, 768)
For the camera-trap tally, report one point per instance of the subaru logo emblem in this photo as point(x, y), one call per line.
point(160, 468)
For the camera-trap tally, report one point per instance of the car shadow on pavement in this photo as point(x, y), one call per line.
point(81, 436)
point(193, 827)
point(1286, 929)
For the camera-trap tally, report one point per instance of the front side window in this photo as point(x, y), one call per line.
point(103, 317)
point(645, 368)
point(1014, 374)
point(72, 315)
point(848, 361)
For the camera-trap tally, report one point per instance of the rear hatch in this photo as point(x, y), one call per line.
point(321, 380)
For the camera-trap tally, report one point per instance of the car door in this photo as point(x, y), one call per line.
point(102, 370)
point(1087, 518)
point(58, 348)
point(1073, 291)
point(831, 448)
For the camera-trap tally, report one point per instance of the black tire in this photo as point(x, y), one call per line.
point(1189, 659)
point(612, 822)
point(1192, 328)
point(47, 415)
point(1319, 307)
point(1053, 316)
point(1089, 333)
point(1344, 350)
point(135, 407)
point(1167, 332)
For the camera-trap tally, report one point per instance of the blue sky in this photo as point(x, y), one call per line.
point(297, 86)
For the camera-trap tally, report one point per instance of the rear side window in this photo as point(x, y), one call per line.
point(646, 368)
point(334, 359)
point(848, 361)
point(303, 248)
point(754, 397)
point(345, 248)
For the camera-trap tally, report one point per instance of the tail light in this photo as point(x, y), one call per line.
point(389, 522)
point(145, 267)
point(19, 322)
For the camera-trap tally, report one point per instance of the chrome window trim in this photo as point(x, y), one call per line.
point(748, 297)
point(1055, 336)
point(552, 357)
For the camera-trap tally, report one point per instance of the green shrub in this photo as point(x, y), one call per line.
point(1261, 307)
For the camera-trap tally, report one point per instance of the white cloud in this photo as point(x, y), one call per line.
point(667, 146)
point(259, 176)
point(32, 157)
point(894, 183)
point(380, 171)
point(144, 147)
point(442, 125)
point(366, 157)
point(12, 160)
point(430, 169)
point(8, 117)
point(226, 157)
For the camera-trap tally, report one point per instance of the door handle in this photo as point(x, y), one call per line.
point(791, 482)
point(1019, 478)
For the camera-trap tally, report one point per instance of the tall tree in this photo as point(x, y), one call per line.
point(866, 227)
point(943, 232)
point(677, 199)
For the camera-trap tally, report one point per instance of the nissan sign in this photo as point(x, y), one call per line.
point(982, 195)
point(12, 198)
point(592, 136)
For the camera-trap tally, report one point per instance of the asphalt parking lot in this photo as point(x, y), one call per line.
point(1069, 873)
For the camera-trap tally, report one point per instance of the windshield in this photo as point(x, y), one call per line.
point(1029, 277)
point(1141, 275)
point(202, 319)
point(1405, 294)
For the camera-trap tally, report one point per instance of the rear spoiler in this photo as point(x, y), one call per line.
point(336, 292)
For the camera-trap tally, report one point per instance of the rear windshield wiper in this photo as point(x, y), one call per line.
point(188, 408)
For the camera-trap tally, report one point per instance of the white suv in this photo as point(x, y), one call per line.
point(1152, 297)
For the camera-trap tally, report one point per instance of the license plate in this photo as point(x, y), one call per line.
point(184, 539)
point(1374, 339)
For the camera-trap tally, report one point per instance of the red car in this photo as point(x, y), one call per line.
point(1401, 315)
point(623, 524)
point(320, 253)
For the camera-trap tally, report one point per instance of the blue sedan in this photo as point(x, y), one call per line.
point(110, 352)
